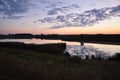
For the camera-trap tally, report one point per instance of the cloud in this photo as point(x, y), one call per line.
point(54, 5)
point(13, 7)
point(56, 10)
point(92, 5)
point(13, 17)
point(87, 18)
point(115, 10)
point(44, 1)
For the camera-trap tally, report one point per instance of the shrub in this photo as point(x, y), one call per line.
point(115, 57)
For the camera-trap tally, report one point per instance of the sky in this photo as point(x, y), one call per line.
point(60, 16)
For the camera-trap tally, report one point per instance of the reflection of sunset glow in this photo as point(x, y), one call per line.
point(39, 41)
point(71, 46)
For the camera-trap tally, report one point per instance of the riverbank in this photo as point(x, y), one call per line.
point(113, 39)
point(57, 48)
point(27, 64)
point(100, 42)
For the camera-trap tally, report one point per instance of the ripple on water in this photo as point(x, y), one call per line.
point(83, 51)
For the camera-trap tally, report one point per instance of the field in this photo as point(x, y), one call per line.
point(22, 64)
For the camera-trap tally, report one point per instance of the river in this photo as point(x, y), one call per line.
point(75, 48)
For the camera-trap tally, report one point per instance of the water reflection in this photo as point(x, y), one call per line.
point(83, 51)
point(76, 48)
point(39, 41)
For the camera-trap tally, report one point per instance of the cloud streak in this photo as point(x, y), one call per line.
point(54, 5)
point(13, 7)
point(13, 17)
point(63, 9)
point(87, 18)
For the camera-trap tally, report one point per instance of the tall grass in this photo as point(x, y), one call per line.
point(21, 64)
point(115, 57)
point(58, 48)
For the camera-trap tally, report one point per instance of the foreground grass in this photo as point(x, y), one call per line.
point(19, 64)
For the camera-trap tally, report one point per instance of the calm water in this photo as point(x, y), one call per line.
point(74, 48)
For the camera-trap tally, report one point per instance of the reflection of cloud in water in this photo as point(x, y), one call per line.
point(83, 51)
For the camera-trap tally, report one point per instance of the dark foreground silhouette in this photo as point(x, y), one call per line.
point(19, 61)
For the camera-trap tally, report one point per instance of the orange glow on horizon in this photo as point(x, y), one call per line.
point(78, 30)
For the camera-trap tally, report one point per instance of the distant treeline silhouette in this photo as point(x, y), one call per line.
point(81, 37)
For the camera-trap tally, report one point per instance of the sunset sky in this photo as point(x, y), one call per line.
point(60, 16)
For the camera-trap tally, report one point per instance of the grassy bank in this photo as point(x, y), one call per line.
point(58, 48)
point(21, 64)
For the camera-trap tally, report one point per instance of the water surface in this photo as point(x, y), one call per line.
point(74, 48)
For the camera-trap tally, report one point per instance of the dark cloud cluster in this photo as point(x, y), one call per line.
point(87, 18)
point(116, 10)
point(13, 7)
point(55, 10)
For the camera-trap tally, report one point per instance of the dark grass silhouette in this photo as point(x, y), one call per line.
point(26, 64)
point(58, 48)
point(115, 57)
